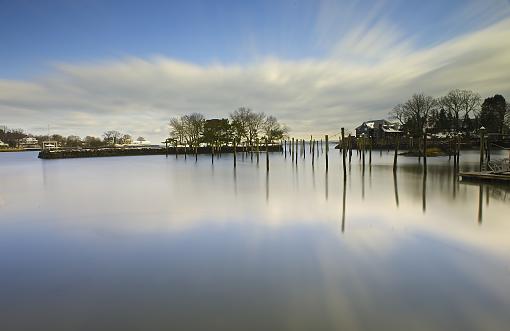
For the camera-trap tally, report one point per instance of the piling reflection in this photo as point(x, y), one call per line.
point(480, 204)
point(424, 192)
point(267, 186)
point(343, 203)
point(395, 186)
point(326, 183)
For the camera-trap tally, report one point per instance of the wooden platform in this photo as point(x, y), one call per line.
point(486, 176)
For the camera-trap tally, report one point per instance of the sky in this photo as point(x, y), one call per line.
point(84, 67)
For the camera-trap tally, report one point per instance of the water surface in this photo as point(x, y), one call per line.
point(155, 243)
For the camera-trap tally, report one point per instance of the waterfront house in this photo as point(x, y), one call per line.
point(3, 145)
point(378, 129)
point(29, 143)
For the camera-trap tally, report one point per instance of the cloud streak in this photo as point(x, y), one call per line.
point(370, 70)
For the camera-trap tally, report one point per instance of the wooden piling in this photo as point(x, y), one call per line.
point(235, 154)
point(396, 154)
point(258, 150)
point(458, 151)
point(304, 149)
point(212, 153)
point(293, 147)
point(313, 153)
point(350, 148)
point(343, 152)
point(425, 150)
point(449, 149)
point(267, 158)
point(363, 150)
point(481, 149)
point(370, 151)
point(327, 161)
point(488, 149)
point(297, 150)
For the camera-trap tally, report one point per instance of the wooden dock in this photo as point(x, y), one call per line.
point(485, 176)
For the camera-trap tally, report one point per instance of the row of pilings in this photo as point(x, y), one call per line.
point(295, 148)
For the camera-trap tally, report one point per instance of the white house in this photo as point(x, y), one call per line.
point(29, 143)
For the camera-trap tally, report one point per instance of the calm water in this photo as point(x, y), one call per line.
point(149, 243)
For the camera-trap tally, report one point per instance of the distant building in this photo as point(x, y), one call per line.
point(29, 143)
point(3, 145)
point(378, 129)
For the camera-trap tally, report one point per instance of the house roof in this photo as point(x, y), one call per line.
point(373, 123)
point(390, 130)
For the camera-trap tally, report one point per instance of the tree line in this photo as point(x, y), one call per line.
point(459, 111)
point(12, 137)
point(244, 126)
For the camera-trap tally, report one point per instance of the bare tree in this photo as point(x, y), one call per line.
point(111, 136)
point(458, 102)
point(177, 129)
point(255, 126)
point(126, 139)
point(193, 128)
point(239, 123)
point(274, 130)
point(398, 113)
point(418, 110)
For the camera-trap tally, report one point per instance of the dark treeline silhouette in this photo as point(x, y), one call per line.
point(13, 138)
point(243, 127)
point(460, 111)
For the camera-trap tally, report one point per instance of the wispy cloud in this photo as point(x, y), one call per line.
point(371, 69)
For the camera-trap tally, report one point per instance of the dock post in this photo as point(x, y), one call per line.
point(235, 153)
point(297, 150)
point(310, 146)
point(267, 158)
point(327, 161)
point(292, 149)
point(350, 148)
point(395, 157)
point(488, 149)
point(482, 134)
point(458, 151)
point(363, 150)
point(425, 149)
point(343, 151)
point(370, 150)
point(166, 147)
point(313, 153)
point(212, 154)
point(449, 149)
point(285, 148)
point(175, 149)
point(258, 150)
point(304, 149)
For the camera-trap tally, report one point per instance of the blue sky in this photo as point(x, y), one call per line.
point(43, 42)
